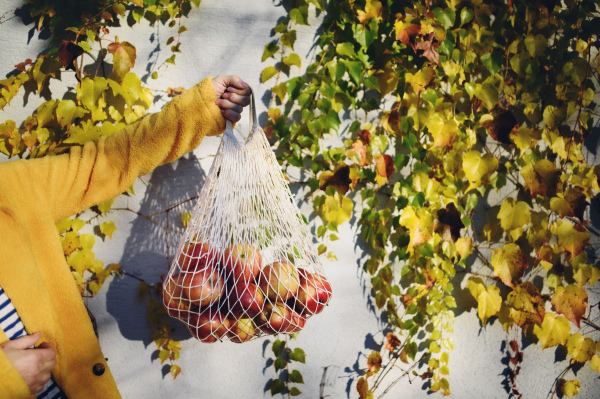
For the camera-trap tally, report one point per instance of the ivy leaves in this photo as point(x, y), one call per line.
point(463, 111)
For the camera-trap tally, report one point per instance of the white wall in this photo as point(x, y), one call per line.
point(228, 36)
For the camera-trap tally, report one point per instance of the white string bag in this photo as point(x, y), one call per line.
point(246, 266)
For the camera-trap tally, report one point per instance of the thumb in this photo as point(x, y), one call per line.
point(24, 342)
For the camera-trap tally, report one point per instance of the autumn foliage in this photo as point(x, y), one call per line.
point(452, 132)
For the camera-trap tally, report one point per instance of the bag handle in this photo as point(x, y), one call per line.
point(253, 120)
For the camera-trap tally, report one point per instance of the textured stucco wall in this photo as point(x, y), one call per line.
point(228, 36)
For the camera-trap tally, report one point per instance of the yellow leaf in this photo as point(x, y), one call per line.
point(509, 263)
point(105, 206)
point(108, 228)
point(553, 330)
point(337, 212)
point(268, 73)
point(514, 216)
point(527, 307)
point(541, 179)
point(586, 273)
point(571, 301)
point(419, 223)
point(443, 131)
point(421, 79)
point(63, 225)
point(478, 169)
point(91, 95)
point(373, 9)
point(570, 388)
point(489, 300)
point(124, 55)
point(572, 238)
point(70, 242)
point(525, 138)
point(185, 218)
point(573, 203)
point(87, 240)
point(580, 348)
point(67, 110)
point(595, 363)
point(464, 247)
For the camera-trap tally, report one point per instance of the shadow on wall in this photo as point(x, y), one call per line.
point(146, 249)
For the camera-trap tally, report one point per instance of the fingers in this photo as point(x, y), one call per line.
point(232, 115)
point(24, 342)
point(232, 80)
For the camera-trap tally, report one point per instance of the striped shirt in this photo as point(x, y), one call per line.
point(11, 324)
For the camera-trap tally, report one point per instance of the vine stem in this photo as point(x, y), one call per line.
point(558, 379)
point(402, 376)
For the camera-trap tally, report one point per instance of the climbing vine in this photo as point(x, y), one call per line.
point(452, 131)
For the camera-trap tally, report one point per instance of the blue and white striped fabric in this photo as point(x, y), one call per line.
point(11, 324)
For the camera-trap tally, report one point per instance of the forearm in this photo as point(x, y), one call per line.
point(100, 170)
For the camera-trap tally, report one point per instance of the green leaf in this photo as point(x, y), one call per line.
point(355, 71)
point(492, 61)
point(536, 45)
point(280, 363)
point(296, 377)
point(466, 15)
point(445, 16)
point(294, 87)
point(292, 59)
point(278, 347)
point(268, 73)
point(345, 49)
point(295, 391)
point(270, 49)
point(276, 387)
point(298, 355)
point(288, 39)
point(299, 15)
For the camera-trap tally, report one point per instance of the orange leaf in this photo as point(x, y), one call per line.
point(571, 301)
point(385, 165)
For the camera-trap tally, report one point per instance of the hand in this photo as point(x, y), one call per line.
point(232, 95)
point(34, 364)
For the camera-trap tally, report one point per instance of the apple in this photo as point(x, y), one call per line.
point(174, 301)
point(208, 325)
point(275, 318)
point(204, 285)
point(242, 263)
point(246, 299)
point(313, 293)
point(243, 330)
point(196, 255)
point(297, 322)
point(279, 280)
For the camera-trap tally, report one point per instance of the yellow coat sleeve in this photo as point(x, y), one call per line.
point(103, 169)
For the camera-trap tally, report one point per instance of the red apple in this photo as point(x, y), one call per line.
point(279, 281)
point(297, 322)
point(242, 330)
point(246, 299)
point(241, 263)
point(174, 301)
point(275, 318)
point(313, 293)
point(204, 285)
point(195, 255)
point(208, 325)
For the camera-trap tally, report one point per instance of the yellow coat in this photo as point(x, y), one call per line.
point(36, 193)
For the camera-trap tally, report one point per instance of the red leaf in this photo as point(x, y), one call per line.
point(67, 53)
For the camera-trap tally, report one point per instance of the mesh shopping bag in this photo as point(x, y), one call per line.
point(246, 266)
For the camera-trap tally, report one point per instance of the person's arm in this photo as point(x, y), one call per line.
point(100, 170)
point(24, 369)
